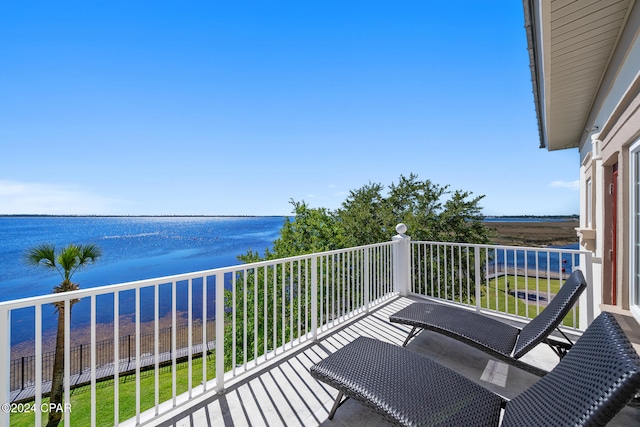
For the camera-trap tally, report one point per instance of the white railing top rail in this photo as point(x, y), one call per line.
point(494, 246)
point(107, 289)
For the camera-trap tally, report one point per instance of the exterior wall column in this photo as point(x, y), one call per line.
point(598, 181)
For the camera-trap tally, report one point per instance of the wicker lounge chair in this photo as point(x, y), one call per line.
point(497, 338)
point(589, 386)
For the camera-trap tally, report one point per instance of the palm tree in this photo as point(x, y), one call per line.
point(66, 262)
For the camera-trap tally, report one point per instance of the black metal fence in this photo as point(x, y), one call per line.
point(23, 369)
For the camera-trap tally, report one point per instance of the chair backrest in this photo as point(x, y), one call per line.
point(589, 386)
point(545, 322)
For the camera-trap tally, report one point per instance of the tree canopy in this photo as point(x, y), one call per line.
point(370, 214)
point(270, 305)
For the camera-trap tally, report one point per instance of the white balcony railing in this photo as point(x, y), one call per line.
point(269, 308)
point(511, 281)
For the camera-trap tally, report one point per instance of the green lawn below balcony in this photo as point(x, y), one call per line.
point(81, 397)
point(495, 296)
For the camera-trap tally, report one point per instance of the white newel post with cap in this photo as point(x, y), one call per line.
point(401, 260)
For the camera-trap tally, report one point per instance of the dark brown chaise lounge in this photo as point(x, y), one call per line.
point(589, 386)
point(497, 338)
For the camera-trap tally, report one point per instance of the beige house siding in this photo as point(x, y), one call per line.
point(585, 71)
point(615, 138)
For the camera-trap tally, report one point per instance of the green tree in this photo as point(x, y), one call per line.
point(66, 262)
point(364, 217)
point(430, 211)
point(311, 230)
point(368, 215)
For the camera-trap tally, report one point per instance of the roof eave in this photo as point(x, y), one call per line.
point(535, 67)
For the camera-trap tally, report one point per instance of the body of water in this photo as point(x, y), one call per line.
point(133, 248)
point(137, 248)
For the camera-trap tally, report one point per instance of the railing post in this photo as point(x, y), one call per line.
point(314, 298)
point(5, 363)
point(587, 299)
point(220, 333)
point(478, 277)
point(402, 261)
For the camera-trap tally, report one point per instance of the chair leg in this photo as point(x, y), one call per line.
point(337, 404)
point(411, 335)
point(559, 348)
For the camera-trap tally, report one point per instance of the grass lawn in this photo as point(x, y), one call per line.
point(496, 297)
point(81, 397)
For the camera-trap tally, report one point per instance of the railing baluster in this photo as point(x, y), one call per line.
point(174, 327)
point(266, 309)
point(244, 322)
point(219, 332)
point(205, 336)
point(234, 314)
point(67, 359)
point(38, 355)
point(190, 337)
point(116, 358)
point(299, 286)
point(137, 355)
point(156, 346)
point(290, 305)
point(275, 308)
point(93, 359)
point(314, 298)
point(282, 305)
point(255, 316)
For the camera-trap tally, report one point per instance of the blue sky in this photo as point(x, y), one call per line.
point(236, 107)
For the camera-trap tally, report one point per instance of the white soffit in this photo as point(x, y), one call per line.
point(579, 38)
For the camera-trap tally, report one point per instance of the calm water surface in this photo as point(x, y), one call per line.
point(134, 248)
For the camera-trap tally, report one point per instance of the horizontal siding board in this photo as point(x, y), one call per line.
point(564, 100)
point(600, 33)
point(588, 15)
point(581, 7)
point(585, 46)
point(583, 69)
point(580, 83)
point(559, 4)
point(583, 50)
point(588, 60)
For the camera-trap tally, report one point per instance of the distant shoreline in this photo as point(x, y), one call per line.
point(528, 218)
point(534, 233)
point(488, 218)
point(137, 216)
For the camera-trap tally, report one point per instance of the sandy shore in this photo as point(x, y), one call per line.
point(81, 333)
point(556, 233)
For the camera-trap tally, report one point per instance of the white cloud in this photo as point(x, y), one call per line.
point(571, 185)
point(53, 199)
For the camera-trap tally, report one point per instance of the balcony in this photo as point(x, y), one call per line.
point(280, 317)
